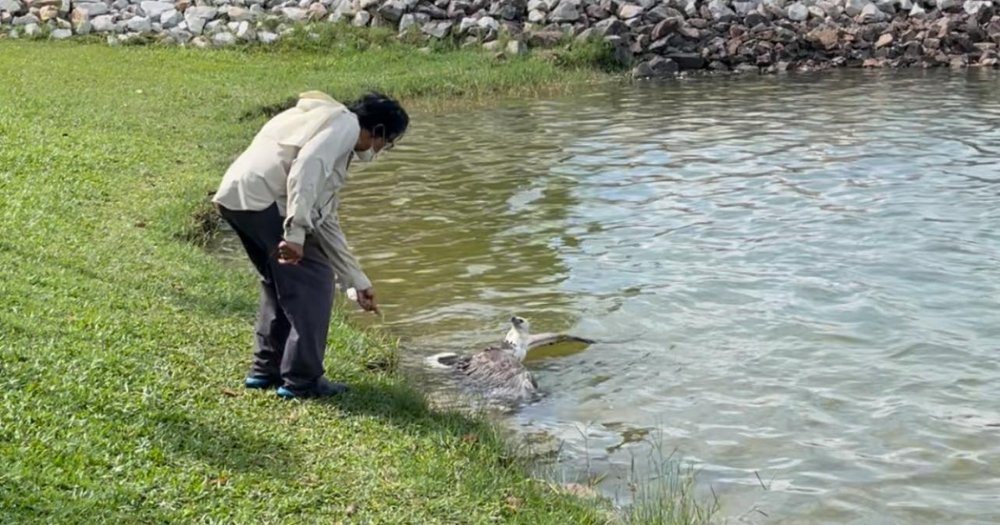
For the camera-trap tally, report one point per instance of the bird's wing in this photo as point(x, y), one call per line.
point(539, 340)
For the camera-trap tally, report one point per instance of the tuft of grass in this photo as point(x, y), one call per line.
point(123, 346)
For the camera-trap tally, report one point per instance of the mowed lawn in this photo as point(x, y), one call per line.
point(123, 344)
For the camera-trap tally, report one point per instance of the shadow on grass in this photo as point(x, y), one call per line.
point(247, 452)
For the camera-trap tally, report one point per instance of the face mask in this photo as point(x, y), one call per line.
point(367, 155)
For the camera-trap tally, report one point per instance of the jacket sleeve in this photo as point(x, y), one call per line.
point(311, 170)
point(334, 244)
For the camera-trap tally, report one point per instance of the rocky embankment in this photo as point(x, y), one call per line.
point(657, 37)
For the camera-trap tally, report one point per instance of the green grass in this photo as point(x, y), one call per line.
point(122, 345)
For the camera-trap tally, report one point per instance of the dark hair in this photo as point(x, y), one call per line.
point(376, 109)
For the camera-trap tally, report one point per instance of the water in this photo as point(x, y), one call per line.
point(805, 269)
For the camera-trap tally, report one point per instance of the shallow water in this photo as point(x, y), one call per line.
point(798, 276)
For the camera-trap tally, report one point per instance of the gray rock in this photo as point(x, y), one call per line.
point(295, 14)
point(215, 27)
point(917, 12)
point(362, 19)
point(437, 29)
point(31, 30)
point(975, 7)
point(798, 12)
point(536, 17)
point(140, 25)
point(629, 11)
point(489, 23)
point(223, 39)
point(945, 5)
point(153, 9)
point(610, 27)
point(95, 9)
point(817, 11)
point(119, 5)
point(492, 47)
point(687, 61)
point(756, 19)
point(871, 13)
point(25, 20)
point(267, 37)
point(565, 11)
point(745, 8)
point(182, 36)
point(720, 10)
point(886, 6)
point(538, 5)
point(855, 7)
point(61, 34)
point(407, 22)
point(83, 27)
point(663, 67)
point(103, 24)
point(392, 10)
point(171, 19)
point(831, 9)
point(587, 35)
point(466, 25)
point(246, 32)
point(13, 7)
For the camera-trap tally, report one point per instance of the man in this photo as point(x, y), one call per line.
point(280, 196)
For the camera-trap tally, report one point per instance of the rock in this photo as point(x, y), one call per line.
point(831, 9)
point(223, 39)
point(25, 21)
point(48, 13)
point(14, 7)
point(687, 61)
point(945, 5)
point(855, 7)
point(32, 30)
point(392, 10)
point(201, 42)
point(976, 7)
point(83, 27)
point(61, 34)
point(720, 10)
point(517, 48)
point(437, 29)
point(886, 6)
point(917, 12)
point(140, 25)
point(798, 12)
point(756, 19)
point(362, 19)
point(610, 27)
point(93, 9)
point(663, 67)
point(826, 39)
point(544, 38)
point(871, 13)
point(884, 40)
point(536, 17)
point(103, 24)
point(489, 23)
point(629, 11)
point(153, 9)
point(171, 19)
point(689, 32)
point(565, 12)
point(492, 47)
point(316, 12)
point(294, 14)
point(181, 36)
point(745, 8)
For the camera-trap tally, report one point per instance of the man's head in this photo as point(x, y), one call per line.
point(383, 121)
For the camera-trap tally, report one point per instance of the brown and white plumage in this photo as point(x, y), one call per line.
point(498, 369)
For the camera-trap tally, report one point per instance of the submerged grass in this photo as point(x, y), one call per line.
point(122, 345)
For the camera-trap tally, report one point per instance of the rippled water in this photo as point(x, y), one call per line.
point(805, 270)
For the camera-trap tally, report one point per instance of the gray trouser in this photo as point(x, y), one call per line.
point(296, 301)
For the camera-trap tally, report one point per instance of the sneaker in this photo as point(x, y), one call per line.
point(261, 383)
point(323, 388)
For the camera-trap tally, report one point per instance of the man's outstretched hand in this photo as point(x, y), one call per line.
point(289, 253)
point(366, 298)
